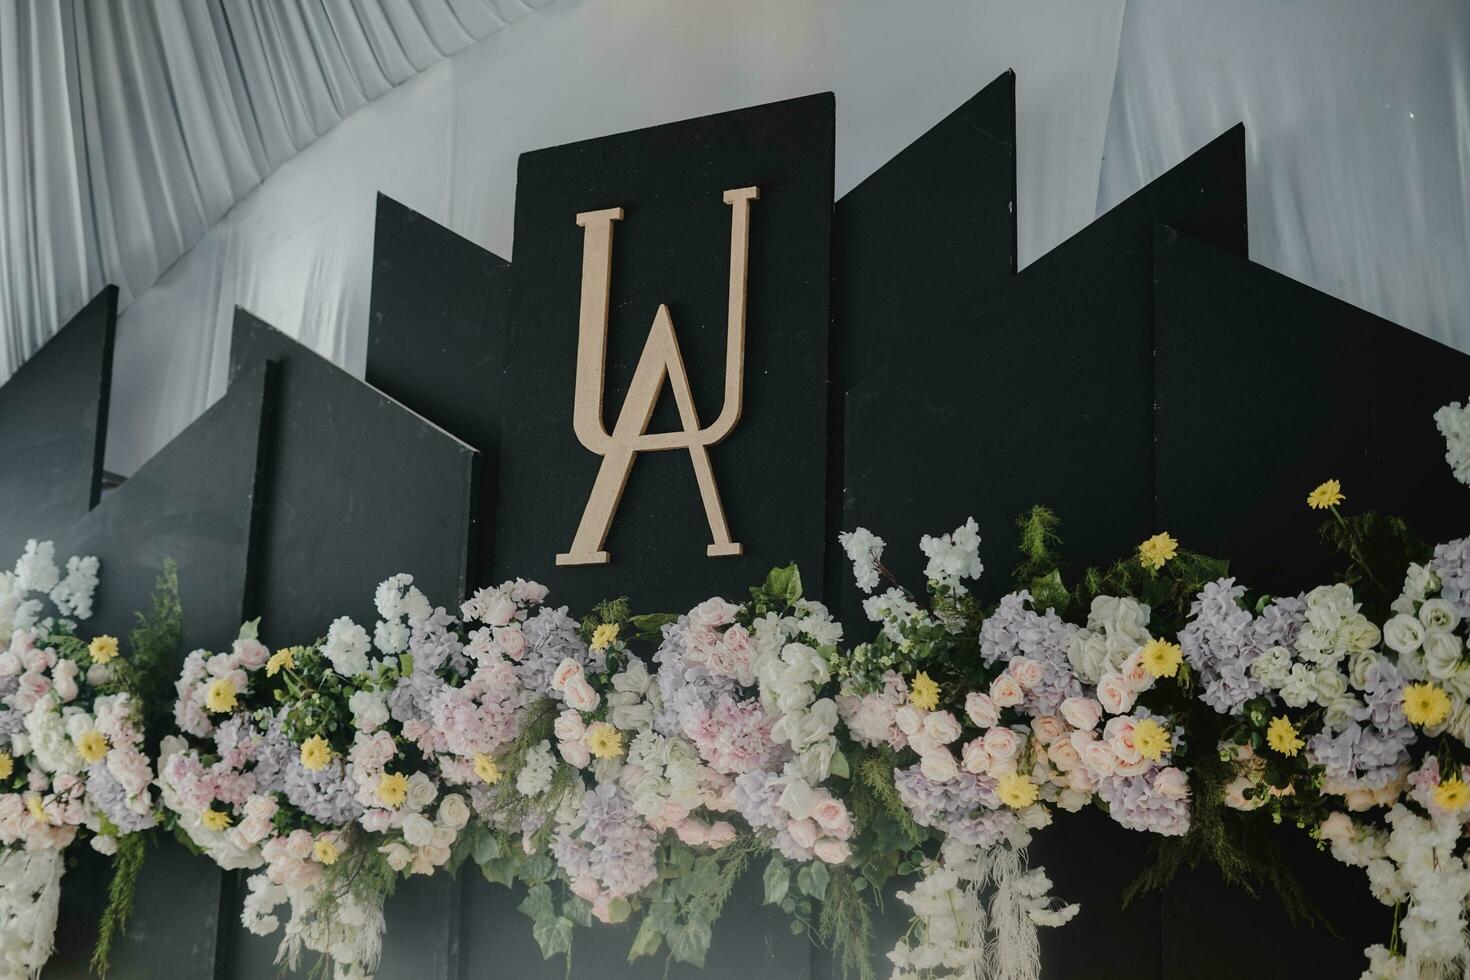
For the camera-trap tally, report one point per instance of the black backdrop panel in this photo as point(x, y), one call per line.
point(1266, 388)
point(194, 502)
point(436, 340)
point(53, 427)
point(673, 247)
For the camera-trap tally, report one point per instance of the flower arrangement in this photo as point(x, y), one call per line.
point(71, 712)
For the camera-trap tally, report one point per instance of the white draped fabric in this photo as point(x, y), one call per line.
point(163, 145)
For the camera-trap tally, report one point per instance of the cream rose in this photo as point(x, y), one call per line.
point(563, 674)
point(1026, 671)
point(942, 727)
point(975, 759)
point(579, 694)
point(938, 765)
point(1403, 634)
point(1114, 694)
point(981, 709)
point(1006, 691)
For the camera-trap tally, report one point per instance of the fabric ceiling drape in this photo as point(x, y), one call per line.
point(129, 129)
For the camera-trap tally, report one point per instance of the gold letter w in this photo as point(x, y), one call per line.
point(659, 361)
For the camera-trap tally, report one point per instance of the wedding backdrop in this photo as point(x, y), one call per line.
point(979, 600)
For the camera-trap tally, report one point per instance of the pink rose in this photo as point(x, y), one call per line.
point(833, 851)
point(1114, 693)
point(499, 611)
point(33, 687)
point(37, 659)
point(1002, 744)
point(981, 709)
point(831, 816)
point(693, 833)
point(1081, 780)
point(65, 677)
point(713, 612)
point(252, 654)
point(298, 844)
point(721, 833)
point(1005, 691)
point(908, 719)
point(564, 672)
point(1083, 713)
point(975, 759)
point(579, 694)
point(1026, 671)
point(575, 753)
point(804, 832)
point(1048, 728)
point(1063, 755)
point(1135, 675)
point(569, 726)
point(942, 727)
point(1172, 782)
point(938, 765)
point(511, 641)
point(1098, 758)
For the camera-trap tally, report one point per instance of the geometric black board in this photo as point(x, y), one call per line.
point(673, 247)
point(194, 502)
point(53, 427)
point(437, 325)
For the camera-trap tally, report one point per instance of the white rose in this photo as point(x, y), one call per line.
point(798, 799)
point(910, 720)
point(1439, 614)
point(1403, 633)
point(10, 664)
point(454, 812)
point(417, 830)
point(579, 694)
point(980, 708)
point(563, 674)
point(1441, 653)
point(938, 765)
point(421, 791)
point(1330, 685)
point(64, 677)
point(942, 727)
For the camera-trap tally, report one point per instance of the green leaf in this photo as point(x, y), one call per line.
point(839, 766)
point(618, 910)
point(777, 879)
point(487, 848)
point(579, 911)
point(784, 583)
point(689, 943)
point(650, 625)
point(553, 935)
point(812, 880)
point(648, 940)
point(538, 904)
point(250, 630)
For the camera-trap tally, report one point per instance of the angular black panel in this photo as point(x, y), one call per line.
point(53, 428)
point(1266, 388)
point(673, 247)
point(436, 340)
point(195, 502)
point(360, 488)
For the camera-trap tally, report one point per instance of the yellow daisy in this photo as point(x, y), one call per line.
point(215, 819)
point(282, 659)
point(37, 808)
point(1452, 794)
point(1426, 704)
point(7, 765)
point(486, 768)
point(924, 692)
point(315, 753)
point(1150, 739)
point(392, 789)
point(1328, 494)
point(220, 697)
point(92, 746)
point(604, 636)
point(102, 648)
point(604, 741)
point(1016, 791)
point(1162, 658)
point(1282, 736)
point(1157, 550)
point(324, 851)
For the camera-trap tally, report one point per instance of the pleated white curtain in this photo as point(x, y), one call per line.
point(130, 128)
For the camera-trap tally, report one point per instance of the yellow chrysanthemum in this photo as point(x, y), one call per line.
point(7, 765)
point(220, 697)
point(102, 648)
point(37, 808)
point(1162, 658)
point(392, 788)
point(92, 746)
point(486, 768)
point(282, 659)
point(215, 819)
point(324, 851)
point(1426, 704)
point(1158, 549)
point(315, 753)
point(1150, 739)
point(1452, 794)
point(604, 741)
point(924, 692)
point(1328, 494)
point(1016, 790)
point(1282, 736)
point(604, 636)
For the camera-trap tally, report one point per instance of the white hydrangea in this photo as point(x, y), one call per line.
point(535, 775)
point(369, 710)
point(895, 610)
point(346, 647)
point(1453, 422)
point(73, 594)
point(865, 550)
point(35, 571)
point(953, 556)
point(401, 607)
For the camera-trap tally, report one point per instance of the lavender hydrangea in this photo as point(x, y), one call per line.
point(107, 794)
point(1223, 639)
point(685, 688)
point(1365, 757)
point(1017, 631)
point(613, 846)
point(756, 795)
point(434, 647)
point(965, 808)
point(1136, 803)
point(1452, 564)
point(551, 637)
point(327, 795)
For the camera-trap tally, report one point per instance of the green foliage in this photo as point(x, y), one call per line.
point(845, 925)
point(1039, 569)
point(127, 863)
point(779, 593)
point(688, 898)
point(615, 611)
point(1370, 541)
point(147, 672)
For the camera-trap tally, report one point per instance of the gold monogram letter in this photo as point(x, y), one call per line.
point(659, 361)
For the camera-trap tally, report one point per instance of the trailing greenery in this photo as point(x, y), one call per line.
point(127, 863)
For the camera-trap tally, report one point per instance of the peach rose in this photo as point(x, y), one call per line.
point(1006, 691)
point(1082, 713)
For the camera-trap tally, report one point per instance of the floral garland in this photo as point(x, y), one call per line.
point(634, 767)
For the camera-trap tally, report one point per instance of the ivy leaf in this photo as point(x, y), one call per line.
point(689, 943)
point(618, 910)
point(812, 880)
point(777, 879)
point(648, 940)
point(538, 904)
point(578, 911)
point(553, 934)
point(487, 848)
